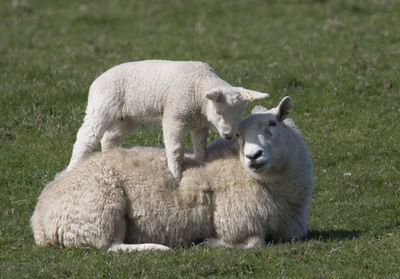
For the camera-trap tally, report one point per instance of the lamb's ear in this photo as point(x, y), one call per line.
point(214, 95)
point(259, 109)
point(284, 108)
point(251, 95)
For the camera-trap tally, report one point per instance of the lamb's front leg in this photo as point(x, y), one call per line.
point(174, 135)
point(199, 140)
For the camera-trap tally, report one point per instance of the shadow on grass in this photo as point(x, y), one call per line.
point(333, 235)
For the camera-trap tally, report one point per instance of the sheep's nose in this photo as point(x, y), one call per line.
point(254, 156)
point(228, 136)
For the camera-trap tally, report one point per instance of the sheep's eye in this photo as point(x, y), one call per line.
point(272, 123)
point(219, 113)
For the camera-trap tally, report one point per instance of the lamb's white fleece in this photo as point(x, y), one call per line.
point(183, 95)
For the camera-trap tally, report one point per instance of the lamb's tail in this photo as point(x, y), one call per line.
point(136, 247)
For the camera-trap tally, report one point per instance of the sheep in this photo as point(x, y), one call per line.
point(250, 190)
point(183, 95)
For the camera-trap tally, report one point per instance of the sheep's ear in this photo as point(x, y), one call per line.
point(284, 108)
point(259, 109)
point(251, 95)
point(214, 95)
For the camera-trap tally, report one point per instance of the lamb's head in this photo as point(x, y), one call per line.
point(225, 106)
point(262, 138)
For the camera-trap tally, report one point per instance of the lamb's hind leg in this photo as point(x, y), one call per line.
point(117, 130)
point(87, 138)
point(199, 140)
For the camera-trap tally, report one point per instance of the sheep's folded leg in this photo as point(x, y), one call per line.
point(250, 242)
point(136, 247)
point(215, 242)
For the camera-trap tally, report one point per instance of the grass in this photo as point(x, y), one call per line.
point(339, 60)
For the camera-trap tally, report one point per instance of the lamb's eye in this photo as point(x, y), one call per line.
point(272, 123)
point(219, 113)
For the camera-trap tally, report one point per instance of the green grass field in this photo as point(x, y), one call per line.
point(339, 61)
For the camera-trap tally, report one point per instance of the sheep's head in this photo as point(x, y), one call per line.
point(225, 108)
point(262, 138)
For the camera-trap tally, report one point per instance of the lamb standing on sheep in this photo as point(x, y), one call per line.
point(183, 95)
point(255, 188)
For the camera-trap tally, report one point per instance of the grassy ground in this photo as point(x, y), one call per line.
point(339, 60)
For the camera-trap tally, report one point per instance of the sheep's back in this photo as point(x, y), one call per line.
point(160, 210)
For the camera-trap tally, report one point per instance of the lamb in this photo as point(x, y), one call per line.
point(255, 188)
point(183, 95)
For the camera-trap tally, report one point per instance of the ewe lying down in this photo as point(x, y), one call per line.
point(252, 189)
point(183, 95)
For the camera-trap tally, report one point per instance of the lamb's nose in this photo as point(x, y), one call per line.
point(254, 156)
point(228, 136)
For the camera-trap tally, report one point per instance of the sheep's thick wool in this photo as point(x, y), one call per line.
point(128, 199)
